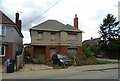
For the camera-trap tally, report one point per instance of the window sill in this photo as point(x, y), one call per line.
point(39, 39)
point(2, 55)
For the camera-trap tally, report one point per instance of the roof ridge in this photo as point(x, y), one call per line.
point(55, 25)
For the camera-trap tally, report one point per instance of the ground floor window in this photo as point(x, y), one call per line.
point(72, 51)
point(2, 50)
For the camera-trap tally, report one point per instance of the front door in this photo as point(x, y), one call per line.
point(39, 53)
point(52, 52)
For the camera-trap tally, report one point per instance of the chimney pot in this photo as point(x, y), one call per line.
point(75, 15)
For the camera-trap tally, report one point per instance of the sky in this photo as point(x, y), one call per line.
point(32, 12)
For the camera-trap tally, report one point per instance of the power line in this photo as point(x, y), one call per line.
point(43, 12)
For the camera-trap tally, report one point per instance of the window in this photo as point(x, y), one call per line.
point(2, 30)
point(72, 37)
point(52, 36)
point(40, 35)
point(2, 50)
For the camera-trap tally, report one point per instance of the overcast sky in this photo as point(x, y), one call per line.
point(33, 12)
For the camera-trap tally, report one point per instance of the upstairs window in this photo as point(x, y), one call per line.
point(40, 35)
point(72, 37)
point(2, 30)
point(52, 36)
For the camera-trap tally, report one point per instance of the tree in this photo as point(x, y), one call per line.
point(110, 36)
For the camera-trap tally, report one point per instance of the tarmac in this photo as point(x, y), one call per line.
point(30, 69)
point(40, 67)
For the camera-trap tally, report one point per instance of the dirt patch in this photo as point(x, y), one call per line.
point(35, 67)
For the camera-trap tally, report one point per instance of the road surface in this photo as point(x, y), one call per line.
point(65, 74)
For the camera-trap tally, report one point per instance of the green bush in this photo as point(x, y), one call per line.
point(87, 57)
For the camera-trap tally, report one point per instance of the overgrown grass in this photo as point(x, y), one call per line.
point(60, 67)
point(105, 62)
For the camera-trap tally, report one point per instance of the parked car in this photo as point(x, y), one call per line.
point(61, 59)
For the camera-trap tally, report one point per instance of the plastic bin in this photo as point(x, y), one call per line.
point(10, 66)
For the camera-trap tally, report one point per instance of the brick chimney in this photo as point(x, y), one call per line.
point(18, 22)
point(76, 21)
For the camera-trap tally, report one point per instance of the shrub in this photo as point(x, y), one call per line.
point(87, 57)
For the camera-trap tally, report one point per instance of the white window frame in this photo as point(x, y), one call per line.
point(1, 51)
point(2, 32)
point(0, 29)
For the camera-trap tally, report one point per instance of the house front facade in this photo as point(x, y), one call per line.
point(11, 42)
point(52, 37)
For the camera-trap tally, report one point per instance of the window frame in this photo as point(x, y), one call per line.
point(71, 35)
point(40, 35)
point(53, 38)
point(2, 30)
point(1, 55)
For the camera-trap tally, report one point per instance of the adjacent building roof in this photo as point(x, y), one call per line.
point(54, 25)
point(92, 41)
point(6, 20)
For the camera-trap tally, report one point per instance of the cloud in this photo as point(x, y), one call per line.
point(27, 38)
point(30, 10)
point(90, 13)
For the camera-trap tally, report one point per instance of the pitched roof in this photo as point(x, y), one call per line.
point(54, 25)
point(6, 20)
point(94, 41)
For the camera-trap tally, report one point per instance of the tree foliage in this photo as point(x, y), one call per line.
point(110, 36)
point(87, 52)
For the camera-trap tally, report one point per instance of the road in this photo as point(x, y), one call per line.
point(65, 74)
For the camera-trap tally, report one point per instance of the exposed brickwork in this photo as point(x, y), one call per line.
point(32, 52)
point(47, 55)
point(79, 49)
point(63, 49)
point(9, 52)
point(76, 21)
point(59, 49)
point(47, 51)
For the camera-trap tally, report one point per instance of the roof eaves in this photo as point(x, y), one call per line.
point(43, 29)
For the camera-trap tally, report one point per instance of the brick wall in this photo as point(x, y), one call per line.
point(79, 49)
point(47, 55)
point(63, 49)
point(59, 49)
point(32, 52)
point(9, 52)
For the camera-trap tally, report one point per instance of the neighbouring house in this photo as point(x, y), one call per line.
point(11, 38)
point(52, 37)
point(94, 43)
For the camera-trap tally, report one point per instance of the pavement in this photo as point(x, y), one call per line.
point(95, 67)
point(31, 69)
